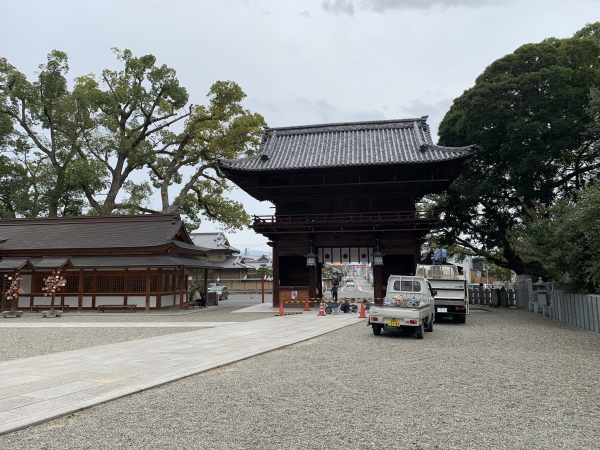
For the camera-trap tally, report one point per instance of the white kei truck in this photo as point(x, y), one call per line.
point(408, 305)
point(451, 298)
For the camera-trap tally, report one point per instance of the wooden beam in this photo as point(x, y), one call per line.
point(359, 183)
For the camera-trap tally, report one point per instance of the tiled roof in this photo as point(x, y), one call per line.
point(405, 141)
point(234, 262)
point(91, 232)
point(212, 241)
point(15, 264)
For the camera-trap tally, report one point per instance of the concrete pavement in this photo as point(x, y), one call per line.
point(37, 389)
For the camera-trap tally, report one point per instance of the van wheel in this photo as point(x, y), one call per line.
point(419, 333)
point(376, 329)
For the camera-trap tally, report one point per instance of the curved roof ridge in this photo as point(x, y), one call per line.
point(346, 124)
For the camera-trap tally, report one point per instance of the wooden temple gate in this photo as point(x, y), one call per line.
point(348, 186)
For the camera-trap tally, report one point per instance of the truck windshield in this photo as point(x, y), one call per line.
point(407, 286)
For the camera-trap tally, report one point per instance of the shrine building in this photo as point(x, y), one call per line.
point(141, 260)
point(345, 193)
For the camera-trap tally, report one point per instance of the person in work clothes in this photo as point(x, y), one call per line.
point(334, 292)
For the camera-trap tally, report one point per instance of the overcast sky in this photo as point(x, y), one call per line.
point(300, 62)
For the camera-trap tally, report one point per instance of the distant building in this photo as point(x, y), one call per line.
point(256, 262)
point(219, 251)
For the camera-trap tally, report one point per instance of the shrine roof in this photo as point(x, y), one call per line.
point(95, 232)
point(350, 144)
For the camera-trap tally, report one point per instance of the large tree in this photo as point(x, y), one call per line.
point(527, 113)
point(112, 139)
point(47, 124)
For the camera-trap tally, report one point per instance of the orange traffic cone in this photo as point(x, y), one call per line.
point(321, 309)
point(281, 313)
point(306, 307)
point(363, 314)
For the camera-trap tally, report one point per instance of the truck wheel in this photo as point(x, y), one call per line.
point(429, 324)
point(456, 318)
point(419, 332)
point(463, 319)
point(376, 329)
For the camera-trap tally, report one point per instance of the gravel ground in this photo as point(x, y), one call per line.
point(505, 380)
point(26, 342)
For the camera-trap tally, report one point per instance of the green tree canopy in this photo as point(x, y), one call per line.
point(528, 114)
point(565, 241)
point(106, 144)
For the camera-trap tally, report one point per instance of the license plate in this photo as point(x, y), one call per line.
point(393, 323)
point(442, 309)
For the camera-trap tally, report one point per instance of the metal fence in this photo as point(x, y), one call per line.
point(578, 310)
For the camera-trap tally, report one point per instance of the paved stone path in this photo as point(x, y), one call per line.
point(40, 388)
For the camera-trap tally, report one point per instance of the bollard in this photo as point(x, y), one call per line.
point(306, 306)
point(363, 314)
point(321, 309)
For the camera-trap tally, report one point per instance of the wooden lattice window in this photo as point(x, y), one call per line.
point(153, 283)
point(111, 283)
point(167, 283)
point(72, 284)
point(39, 284)
point(137, 283)
point(88, 283)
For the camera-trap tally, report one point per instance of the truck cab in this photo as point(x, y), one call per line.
point(408, 304)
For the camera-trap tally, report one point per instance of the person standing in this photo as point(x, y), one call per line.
point(334, 292)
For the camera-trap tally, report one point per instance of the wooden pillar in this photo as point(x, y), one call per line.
point(126, 286)
point(378, 283)
point(158, 289)
point(147, 309)
point(275, 274)
point(205, 287)
point(80, 292)
point(319, 280)
point(182, 281)
point(3, 290)
point(32, 290)
point(312, 281)
point(94, 286)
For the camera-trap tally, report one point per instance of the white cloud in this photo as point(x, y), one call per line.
point(339, 7)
